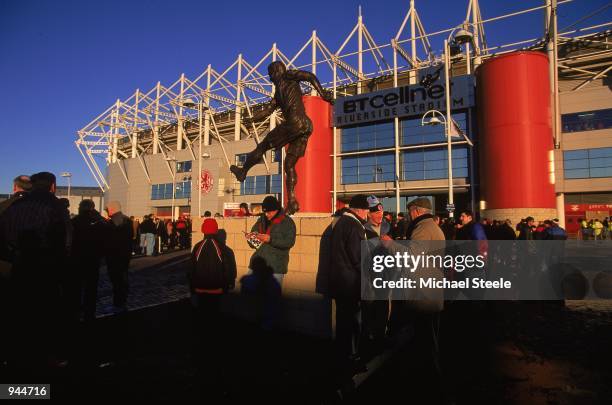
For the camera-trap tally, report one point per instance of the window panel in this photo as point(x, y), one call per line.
point(576, 164)
point(587, 163)
point(428, 164)
point(276, 183)
point(587, 120)
point(239, 159)
point(183, 167)
point(576, 154)
point(600, 162)
point(600, 152)
point(370, 136)
point(413, 133)
point(435, 174)
point(368, 169)
point(577, 174)
point(601, 171)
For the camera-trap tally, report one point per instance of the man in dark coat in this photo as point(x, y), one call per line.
point(345, 280)
point(89, 239)
point(182, 227)
point(401, 227)
point(34, 238)
point(273, 236)
point(147, 230)
point(119, 253)
point(375, 309)
point(211, 275)
point(276, 232)
point(21, 186)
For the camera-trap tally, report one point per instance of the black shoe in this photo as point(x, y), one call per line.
point(358, 365)
point(238, 172)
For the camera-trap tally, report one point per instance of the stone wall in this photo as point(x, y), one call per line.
point(303, 310)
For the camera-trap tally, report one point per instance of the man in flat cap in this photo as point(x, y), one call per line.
point(345, 281)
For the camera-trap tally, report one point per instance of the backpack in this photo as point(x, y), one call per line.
point(209, 270)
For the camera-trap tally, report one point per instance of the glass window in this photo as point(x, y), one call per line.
point(587, 163)
point(413, 133)
point(587, 120)
point(240, 159)
point(261, 185)
point(183, 167)
point(277, 155)
point(429, 164)
point(248, 186)
point(183, 189)
point(275, 183)
point(161, 191)
point(368, 169)
point(364, 137)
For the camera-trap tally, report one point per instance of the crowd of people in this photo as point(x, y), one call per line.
point(50, 265)
point(154, 236)
point(464, 228)
point(594, 229)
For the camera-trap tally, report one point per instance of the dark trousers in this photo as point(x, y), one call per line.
point(183, 238)
point(348, 327)
point(208, 329)
point(37, 306)
point(374, 316)
point(117, 267)
point(89, 285)
point(426, 340)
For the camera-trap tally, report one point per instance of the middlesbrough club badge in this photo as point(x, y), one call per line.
point(206, 181)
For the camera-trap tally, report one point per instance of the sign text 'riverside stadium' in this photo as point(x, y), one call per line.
point(402, 101)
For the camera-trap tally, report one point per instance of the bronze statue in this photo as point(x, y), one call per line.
point(294, 130)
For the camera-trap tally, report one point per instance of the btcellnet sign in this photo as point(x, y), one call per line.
point(402, 101)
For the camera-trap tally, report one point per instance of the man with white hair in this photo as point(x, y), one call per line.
point(21, 186)
point(119, 253)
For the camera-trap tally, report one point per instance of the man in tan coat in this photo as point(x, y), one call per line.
point(423, 226)
point(427, 307)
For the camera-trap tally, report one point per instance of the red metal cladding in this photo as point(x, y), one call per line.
point(514, 118)
point(314, 169)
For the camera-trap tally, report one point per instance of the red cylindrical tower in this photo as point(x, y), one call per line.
point(314, 169)
point(514, 117)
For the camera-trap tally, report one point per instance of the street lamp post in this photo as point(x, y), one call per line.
point(199, 181)
point(451, 201)
point(189, 103)
point(173, 170)
point(67, 175)
point(461, 36)
point(434, 120)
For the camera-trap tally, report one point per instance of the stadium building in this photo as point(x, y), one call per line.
point(526, 126)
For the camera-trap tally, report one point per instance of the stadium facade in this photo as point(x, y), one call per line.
point(517, 147)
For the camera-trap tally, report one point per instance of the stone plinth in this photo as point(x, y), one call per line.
point(303, 309)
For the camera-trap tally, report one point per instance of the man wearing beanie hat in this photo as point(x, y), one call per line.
point(276, 232)
point(345, 280)
point(212, 273)
point(214, 263)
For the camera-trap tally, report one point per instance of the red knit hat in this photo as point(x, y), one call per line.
point(209, 226)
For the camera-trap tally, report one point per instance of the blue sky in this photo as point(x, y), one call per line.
point(64, 62)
